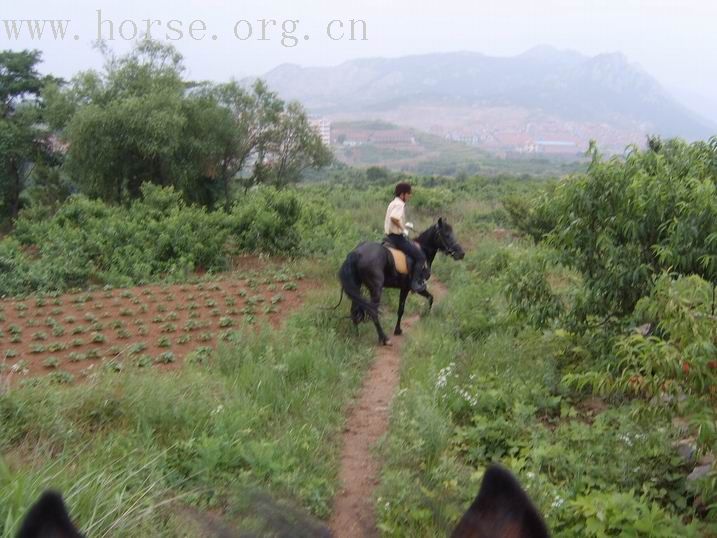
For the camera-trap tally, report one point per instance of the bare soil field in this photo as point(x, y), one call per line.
point(69, 336)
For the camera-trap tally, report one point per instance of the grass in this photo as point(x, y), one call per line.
point(127, 449)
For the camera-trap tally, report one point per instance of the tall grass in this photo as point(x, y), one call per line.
point(127, 449)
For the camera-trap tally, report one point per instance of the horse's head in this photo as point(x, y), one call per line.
point(446, 241)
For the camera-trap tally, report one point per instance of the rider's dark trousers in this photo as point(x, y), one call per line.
point(409, 248)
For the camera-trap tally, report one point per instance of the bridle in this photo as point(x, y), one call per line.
point(449, 250)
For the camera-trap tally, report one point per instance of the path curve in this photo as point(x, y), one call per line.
point(353, 515)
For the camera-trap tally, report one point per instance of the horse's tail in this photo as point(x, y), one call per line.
point(351, 284)
point(341, 298)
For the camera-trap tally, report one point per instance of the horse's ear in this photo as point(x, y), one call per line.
point(440, 222)
point(502, 509)
point(48, 517)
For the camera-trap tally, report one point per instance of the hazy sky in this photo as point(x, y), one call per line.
point(672, 39)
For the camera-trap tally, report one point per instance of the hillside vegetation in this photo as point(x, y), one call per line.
point(585, 361)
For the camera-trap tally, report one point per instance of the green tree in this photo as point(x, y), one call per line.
point(138, 121)
point(294, 146)
point(247, 127)
point(24, 139)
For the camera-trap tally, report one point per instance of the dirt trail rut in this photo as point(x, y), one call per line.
point(353, 515)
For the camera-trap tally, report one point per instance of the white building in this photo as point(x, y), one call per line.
point(323, 129)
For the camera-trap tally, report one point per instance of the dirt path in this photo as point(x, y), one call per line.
point(353, 515)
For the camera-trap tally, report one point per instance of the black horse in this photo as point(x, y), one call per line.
point(371, 265)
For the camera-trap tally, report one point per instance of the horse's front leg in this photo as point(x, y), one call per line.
point(401, 307)
point(425, 293)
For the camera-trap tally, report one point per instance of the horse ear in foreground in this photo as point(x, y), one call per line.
point(501, 510)
point(48, 518)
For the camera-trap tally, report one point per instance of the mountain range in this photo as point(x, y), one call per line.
point(543, 93)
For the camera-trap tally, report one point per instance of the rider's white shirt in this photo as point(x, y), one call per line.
point(397, 210)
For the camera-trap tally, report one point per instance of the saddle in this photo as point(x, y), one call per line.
point(401, 263)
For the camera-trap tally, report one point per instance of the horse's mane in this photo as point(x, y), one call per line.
point(424, 236)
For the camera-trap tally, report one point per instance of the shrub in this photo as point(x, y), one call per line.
point(625, 221)
point(266, 221)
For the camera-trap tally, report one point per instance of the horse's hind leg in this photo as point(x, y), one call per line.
point(375, 301)
point(357, 313)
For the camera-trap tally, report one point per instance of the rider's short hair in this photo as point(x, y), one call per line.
point(402, 188)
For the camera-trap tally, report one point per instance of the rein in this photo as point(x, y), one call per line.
point(449, 250)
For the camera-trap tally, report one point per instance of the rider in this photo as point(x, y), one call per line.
point(396, 229)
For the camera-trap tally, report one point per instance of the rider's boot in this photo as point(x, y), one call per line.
point(418, 284)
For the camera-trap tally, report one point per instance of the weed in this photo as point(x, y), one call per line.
point(56, 347)
point(123, 334)
point(169, 328)
point(137, 348)
point(51, 362)
point(166, 358)
point(114, 366)
point(76, 357)
point(61, 378)
point(143, 361)
point(39, 336)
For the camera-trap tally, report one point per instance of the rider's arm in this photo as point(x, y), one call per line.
point(397, 222)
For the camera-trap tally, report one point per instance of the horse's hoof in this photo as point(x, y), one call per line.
point(387, 342)
point(398, 332)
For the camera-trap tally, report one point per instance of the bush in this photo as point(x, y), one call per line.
point(626, 221)
point(158, 235)
point(266, 221)
point(529, 294)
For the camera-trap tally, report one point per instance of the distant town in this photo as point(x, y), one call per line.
point(551, 137)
